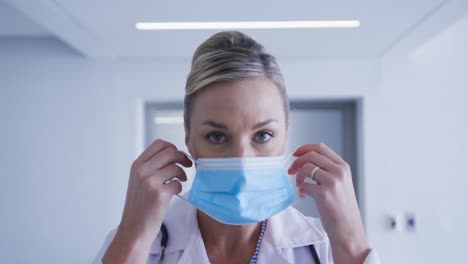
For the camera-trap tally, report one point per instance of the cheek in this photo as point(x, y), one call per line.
point(199, 146)
point(280, 144)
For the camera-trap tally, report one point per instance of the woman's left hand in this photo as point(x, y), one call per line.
point(335, 199)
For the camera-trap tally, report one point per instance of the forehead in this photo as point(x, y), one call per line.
point(242, 101)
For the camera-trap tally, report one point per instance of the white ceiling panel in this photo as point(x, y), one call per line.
point(13, 23)
point(108, 27)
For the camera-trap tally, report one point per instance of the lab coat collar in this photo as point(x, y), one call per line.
point(181, 223)
point(287, 229)
point(290, 229)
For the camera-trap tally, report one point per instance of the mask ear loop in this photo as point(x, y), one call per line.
point(190, 157)
point(290, 155)
point(194, 162)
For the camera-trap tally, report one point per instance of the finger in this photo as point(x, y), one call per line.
point(170, 172)
point(154, 148)
point(320, 176)
point(173, 187)
point(316, 158)
point(165, 176)
point(311, 190)
point(164, 158)
point(170, 155)
point(321, 148)
point(303, 173)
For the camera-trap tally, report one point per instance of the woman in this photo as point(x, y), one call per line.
point(236, 106)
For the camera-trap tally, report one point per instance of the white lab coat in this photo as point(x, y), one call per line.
point(286, 239)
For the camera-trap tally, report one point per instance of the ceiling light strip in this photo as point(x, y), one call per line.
point(247, 25)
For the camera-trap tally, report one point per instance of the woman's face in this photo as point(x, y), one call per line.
point(242, 118)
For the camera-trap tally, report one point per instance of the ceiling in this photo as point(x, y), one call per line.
point(107, 28)
point(15, 24)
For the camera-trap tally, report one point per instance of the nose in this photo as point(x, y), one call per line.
point(242, 148)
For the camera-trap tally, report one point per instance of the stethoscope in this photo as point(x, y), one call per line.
point(165, 239)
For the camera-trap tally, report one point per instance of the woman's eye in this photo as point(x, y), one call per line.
point(263, 136)
point(216, 137)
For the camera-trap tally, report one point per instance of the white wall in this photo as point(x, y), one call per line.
point(435, 159)
point(70, 133)
point(58, 151)
point(423, 160)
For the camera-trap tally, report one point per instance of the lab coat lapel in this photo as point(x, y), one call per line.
point(181, 223)
point(287, 230)
point(270, 251)
point(184, 235)
point(195, 251)
point(290, 228)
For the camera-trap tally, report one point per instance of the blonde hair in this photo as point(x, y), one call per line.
point(228, 56)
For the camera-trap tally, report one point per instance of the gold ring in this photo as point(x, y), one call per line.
point(313, 172)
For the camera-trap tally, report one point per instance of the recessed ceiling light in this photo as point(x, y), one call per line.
point(247, 25)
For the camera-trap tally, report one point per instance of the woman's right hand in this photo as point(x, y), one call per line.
point(148, 196)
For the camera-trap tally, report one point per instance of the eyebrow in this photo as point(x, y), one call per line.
point(214, 124)
point(221, 126)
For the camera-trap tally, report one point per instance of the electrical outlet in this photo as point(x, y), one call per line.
point(410, 221)
point(395, 222)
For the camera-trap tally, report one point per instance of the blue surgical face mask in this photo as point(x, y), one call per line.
point(240, 191)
